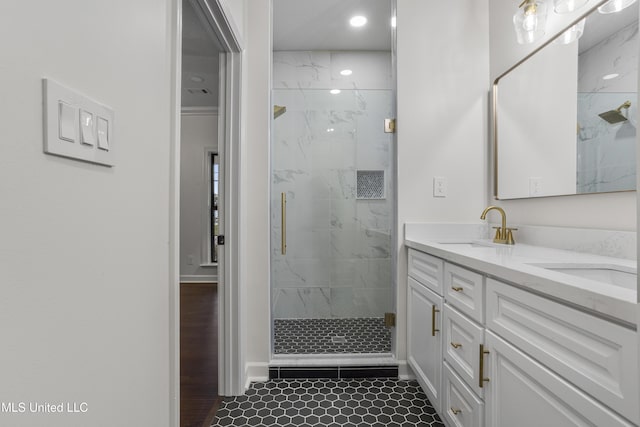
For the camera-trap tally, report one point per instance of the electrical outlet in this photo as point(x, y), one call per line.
point(439, 186)
point(535, 186)
point(190, 259)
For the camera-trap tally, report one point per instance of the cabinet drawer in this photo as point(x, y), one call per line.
point(461, 407)
point(461, 344)
point(464, 289)
point(427, 270)
point(521, 392)
point(597, 356)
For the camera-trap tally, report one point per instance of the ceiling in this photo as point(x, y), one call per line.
point(199, 61)
point(324, 25)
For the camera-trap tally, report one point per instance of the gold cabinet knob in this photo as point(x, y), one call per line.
point(457, 288)
point(456, 345)
point(455, 411)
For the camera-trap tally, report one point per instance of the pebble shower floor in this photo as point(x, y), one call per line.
point(329, 403)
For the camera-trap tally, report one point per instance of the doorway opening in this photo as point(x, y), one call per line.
point(205, 245)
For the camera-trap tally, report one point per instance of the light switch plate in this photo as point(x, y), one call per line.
point(71, 125)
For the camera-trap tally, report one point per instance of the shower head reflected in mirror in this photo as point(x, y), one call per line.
point(278, 110)
point(616, 116)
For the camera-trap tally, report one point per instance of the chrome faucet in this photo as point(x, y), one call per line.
point(503, 234)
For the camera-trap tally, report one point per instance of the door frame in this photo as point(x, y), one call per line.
point(215, 16)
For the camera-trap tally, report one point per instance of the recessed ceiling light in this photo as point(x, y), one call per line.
point(334, 91)
point(393, 21)
point(330, 130)
point(346, 72)
point(610, 76)
point(358, 21)
point(196, 79)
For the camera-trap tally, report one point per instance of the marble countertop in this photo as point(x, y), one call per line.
point(514, 264)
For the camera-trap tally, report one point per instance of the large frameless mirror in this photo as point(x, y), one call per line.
point(565, 118)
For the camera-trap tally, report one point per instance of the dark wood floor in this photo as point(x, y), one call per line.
point(198, 354)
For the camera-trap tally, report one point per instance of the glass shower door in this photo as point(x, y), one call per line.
point(333, 163)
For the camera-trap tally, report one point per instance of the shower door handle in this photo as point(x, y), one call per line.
point(283, 225)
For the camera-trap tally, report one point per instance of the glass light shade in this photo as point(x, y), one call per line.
point(572, 34)
point(568, 6)
point(614, 6)
point(530, 22)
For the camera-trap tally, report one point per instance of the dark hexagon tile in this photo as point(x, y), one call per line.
point(330, 403)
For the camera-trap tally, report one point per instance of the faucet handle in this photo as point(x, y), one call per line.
point(498, 235)
point(509, 236)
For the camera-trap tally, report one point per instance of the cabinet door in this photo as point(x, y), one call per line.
point(424, 344)
point(597, 356)
point(521, 392)
point(462, 338)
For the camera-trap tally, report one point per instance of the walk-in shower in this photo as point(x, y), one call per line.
point(332, 204)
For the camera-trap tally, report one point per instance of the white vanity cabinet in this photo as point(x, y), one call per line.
point(597, 356)
point(522, 392)
point(424, 323)
point(424, 344)
point(463, 337)
point(508, 357)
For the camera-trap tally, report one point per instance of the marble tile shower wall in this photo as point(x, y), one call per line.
point(338, 261)
point(606, 152)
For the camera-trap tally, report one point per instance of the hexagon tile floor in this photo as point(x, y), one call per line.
point(329, 403)
point(339, 335)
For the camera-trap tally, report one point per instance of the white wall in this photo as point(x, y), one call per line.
point(199, 132)
point(608, 211)
point(443, 84)
point(254, 261)
point(84, 313)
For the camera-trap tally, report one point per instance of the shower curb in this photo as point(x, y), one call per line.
point(332, 372)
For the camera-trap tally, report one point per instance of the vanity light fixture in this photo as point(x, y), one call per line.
point(568, 6)
point(346, 72)
point(610, 76)
point(613, 6)
point(572, 34)
point(334, 91)
point(358, 21)
point(530, 21)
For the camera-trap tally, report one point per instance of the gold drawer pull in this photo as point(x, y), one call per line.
point(455, 411)
point(434, 310)
point(456, 345)
point(457, 288)
point(481, 378)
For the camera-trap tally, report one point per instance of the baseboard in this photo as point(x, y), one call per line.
point(404, 371)
point(198, 279)
point(256, 372)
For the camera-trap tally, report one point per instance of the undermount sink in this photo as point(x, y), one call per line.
point(625, 277)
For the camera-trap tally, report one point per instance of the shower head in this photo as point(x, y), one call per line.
point(616, 116)
point(278, 110)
